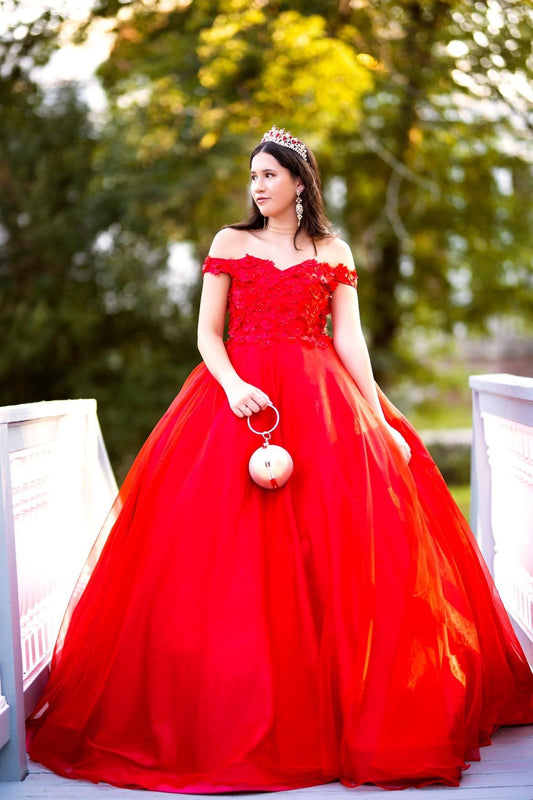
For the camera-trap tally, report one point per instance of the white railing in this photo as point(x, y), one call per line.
point(502, 491)
point(57, 488)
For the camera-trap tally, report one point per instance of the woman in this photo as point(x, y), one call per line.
point(342, 627)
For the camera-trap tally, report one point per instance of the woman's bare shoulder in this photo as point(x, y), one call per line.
point(229, 243)
point(336, 251)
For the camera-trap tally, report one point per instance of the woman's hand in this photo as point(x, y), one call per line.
point(245, 399)
point(400, 441)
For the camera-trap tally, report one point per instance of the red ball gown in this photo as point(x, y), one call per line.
point(343, 627)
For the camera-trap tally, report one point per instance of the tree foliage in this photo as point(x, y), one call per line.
point(417, 109)
point(84, 308)
point(419, 112)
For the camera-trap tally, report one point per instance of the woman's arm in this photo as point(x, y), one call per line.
point(244, 399)
point(350, 345)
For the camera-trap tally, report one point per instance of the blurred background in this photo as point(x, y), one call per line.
point(125, 130)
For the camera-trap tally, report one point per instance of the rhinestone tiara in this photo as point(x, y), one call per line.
point(286, 139)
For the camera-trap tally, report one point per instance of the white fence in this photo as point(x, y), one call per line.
point(502, 491)
point(57, 487)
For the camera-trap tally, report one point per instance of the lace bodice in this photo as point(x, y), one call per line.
point(269, 304)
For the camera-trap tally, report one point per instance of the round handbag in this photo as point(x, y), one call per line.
point(270, 466)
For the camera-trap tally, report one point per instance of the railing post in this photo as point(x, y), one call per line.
point(56, 489)
point(502, 491)
point(13, 760)
point(480, 485)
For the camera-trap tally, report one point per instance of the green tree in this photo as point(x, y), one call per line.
point(417, 109)
point(191, 89)
point(443, 221)
point(414, 108)
point(85, 310)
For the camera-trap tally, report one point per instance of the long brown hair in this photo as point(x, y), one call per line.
point(314, 222)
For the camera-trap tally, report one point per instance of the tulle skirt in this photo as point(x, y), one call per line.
point(232, 638)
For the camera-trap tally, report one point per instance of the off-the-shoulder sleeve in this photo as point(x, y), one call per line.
point(217, 265)
point(342, 274)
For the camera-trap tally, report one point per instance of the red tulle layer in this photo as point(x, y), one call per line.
point(235, 638)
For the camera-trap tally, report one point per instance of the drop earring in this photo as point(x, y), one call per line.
point(265, 222)
point(299, 207)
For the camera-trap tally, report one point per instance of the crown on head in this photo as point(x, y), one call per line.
point(286, 139)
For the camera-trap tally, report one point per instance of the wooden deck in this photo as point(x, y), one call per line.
point(504, 773)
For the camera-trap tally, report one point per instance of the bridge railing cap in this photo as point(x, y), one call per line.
point(516, 386)
point(45, 409)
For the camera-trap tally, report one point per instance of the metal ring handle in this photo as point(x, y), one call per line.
point(266, 433)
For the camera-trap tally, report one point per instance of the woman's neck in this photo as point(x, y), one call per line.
point(283, 225)
point(281, 230)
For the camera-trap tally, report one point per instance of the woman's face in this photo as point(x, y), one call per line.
point(273, 187)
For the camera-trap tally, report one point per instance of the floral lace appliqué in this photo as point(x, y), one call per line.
point(268, 304)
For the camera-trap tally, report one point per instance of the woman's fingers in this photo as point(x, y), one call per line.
point(248, 402)
point(401, 442)
point(254, 405)
point(406, 451)
point(249, 408)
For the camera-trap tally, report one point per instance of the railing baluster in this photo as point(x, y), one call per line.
point(502, 510)
point(60, 489)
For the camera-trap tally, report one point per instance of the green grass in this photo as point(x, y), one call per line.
point(461, 495)
point(426, 417)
